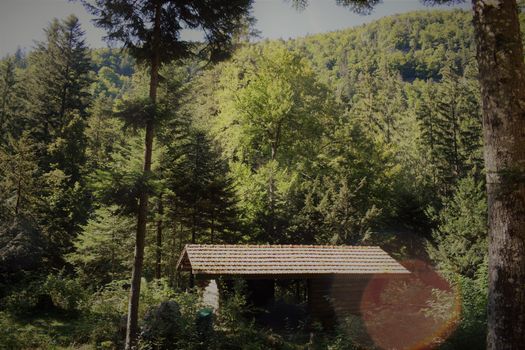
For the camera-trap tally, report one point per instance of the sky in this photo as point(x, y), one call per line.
point(22, 21)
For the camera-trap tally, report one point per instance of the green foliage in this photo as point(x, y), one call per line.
point(161, 327)
point(113, 70)
point(56, 292)
point(269, 104)
point(348, 335)
point(11, 97)
point(103, 250)
point(330, 138)
point(52, 129)
point(22, 250)
point(343, 218)
point(15, 337)
point(461, 235)
point(105, 310)
point(417, 45)
point(19, 184)
point(460, 251)
point(200, 191)
point(57, 88)
point(239, 332)
point(121, 181)
point(271, 114)
point(173, 323)
point(138, 34)
point(22, 297)
point(472, 328)
point(66, 292)
point(104, 135)
point(452, 128)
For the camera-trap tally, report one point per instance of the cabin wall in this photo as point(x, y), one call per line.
point(260, 292)
point(210, 294)
point(331, 299)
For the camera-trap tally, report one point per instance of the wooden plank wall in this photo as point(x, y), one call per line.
point(333, 298)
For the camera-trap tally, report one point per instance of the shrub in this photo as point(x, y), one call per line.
point(66, 292)
point(471, 332)
point(161, 326)
point(174, 324)
point(23, 298)
point(238, 332)
point(107, 308)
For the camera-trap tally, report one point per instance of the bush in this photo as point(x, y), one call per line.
point(471, 332)
point(55, 291)
point(174, 324)
point(107, 308)
point(238, 332)
point(161, 327)
point(66, 293)
point(22, 298)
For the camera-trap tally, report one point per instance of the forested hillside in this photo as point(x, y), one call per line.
point(371, 135)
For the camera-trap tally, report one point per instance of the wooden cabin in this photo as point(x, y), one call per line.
point(336, 276)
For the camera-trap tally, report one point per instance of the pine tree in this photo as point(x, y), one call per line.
point(201, 195)
point(55, 116)
point(103, 251)
point(19, 181)
point(59, 81)
point(9, 98)
point(427, 120)
point(448, 129)
point(378, 103)
point(58, 90)
point(460, 238)
point(451, 128)
point(345, 221)
point(150, 29)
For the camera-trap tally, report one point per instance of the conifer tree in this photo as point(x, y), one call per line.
point(461, 242)
point(200, 190)
point(378, 103)
point(55, 114)
point(150, 29)
point(58, 90)
point(426, 116)
point(19, 182)
point(103, 251)
point(457, 129)
point(9, 98)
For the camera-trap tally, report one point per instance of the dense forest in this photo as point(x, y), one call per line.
point(366, 136)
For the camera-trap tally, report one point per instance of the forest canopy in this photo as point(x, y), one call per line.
point(370, 135)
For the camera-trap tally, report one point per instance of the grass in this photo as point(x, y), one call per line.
point(45, 330)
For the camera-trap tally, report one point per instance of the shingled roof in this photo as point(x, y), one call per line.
point(286, 260)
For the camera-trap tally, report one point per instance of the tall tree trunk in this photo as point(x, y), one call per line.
point(173, 256)
point(158, 262)
point(271, 192)
point(132, 324)
point(212, 227)
point(502, 78)
point(191, 279)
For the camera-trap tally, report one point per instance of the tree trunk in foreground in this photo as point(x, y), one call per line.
point(502, 78)
point(133, 309)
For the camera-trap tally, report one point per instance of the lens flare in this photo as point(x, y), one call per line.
point(415, 312)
